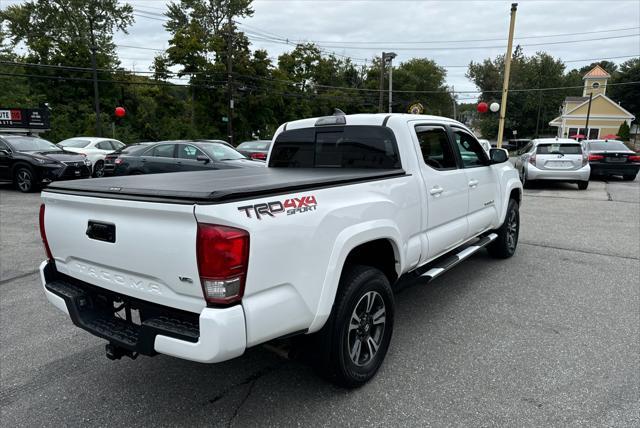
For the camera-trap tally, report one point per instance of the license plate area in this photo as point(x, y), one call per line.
point(559, 164)
point(617, 160)
point(101, 231)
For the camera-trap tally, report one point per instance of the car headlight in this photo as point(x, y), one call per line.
point(45, 161)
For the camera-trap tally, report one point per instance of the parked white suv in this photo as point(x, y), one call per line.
point(94, 148)
point(203, 265)
point(557, 159)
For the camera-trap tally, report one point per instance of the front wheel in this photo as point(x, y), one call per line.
point(24, 179)
point(360, 326)
point(504, 246)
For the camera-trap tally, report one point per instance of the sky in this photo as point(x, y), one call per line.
point(452, 33)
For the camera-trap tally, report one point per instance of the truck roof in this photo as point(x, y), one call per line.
point(373, 119)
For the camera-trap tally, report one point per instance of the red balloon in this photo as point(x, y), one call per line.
point(120, 112)
point(483, 107)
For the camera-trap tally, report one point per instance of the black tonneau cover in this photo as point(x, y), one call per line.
point(218, 186)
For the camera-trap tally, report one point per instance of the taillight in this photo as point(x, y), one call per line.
point(595, 157)
point(118, 161)
point(634, 158)
point(223, 256)
point(43, 234)
point(258, 156)
point(532, 160)
point(585, 159)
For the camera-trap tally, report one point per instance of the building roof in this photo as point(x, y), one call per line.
point(575, 99)
point(597, 72)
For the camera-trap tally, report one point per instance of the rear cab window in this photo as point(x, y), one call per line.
point(348, 146)
point(559, 149)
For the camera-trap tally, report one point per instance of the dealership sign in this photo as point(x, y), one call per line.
point(24, 118)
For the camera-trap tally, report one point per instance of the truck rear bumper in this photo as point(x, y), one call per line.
point(216, 334)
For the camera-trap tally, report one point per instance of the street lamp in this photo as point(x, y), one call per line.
point(388, 57)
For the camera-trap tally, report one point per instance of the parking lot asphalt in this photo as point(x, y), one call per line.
point(549, 337)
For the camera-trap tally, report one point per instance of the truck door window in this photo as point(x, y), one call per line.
point(435, 147)
point(471, 151)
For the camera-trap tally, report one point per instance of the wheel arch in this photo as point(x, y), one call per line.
point(352, 246)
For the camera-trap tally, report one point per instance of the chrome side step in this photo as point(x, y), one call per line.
point(450, 262)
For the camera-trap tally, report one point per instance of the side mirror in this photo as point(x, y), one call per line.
point(203, 158)
point(498, 155)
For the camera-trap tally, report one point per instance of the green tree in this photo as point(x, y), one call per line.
point(627, 95)
point(624, 132)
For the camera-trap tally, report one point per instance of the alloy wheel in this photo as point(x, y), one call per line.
point(366, 328)
point(23, 180)
point(512, 230)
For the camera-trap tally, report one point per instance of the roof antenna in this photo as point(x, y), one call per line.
point(338, 112)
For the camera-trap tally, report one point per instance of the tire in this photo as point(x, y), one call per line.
point(630, 177)
point(506, 243)
point(25, 179)
point(354, 351)
point(582, 185)
point(98, 169)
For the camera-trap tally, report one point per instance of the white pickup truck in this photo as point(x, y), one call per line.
point(203, 265)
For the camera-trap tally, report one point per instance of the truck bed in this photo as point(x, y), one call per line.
point(218, 186)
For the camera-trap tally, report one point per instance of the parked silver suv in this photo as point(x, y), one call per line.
point(558, 159)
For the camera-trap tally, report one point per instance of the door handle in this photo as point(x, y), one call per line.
point(473, 183)
point(436, 191)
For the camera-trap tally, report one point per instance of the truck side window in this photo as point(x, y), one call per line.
point(435, 147)
point(471, 151)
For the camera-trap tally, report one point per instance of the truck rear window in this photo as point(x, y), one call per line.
point(565, 149)
point(336, 147)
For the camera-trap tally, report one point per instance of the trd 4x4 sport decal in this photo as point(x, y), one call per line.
point(291, 206)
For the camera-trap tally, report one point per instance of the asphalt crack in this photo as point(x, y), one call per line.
point(579, 251)
point(22, 275)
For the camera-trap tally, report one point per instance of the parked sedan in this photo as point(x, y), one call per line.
point(29, 162)
point(612, 158)
point(94, 148)
point(258, 149)
point(557, 159)
point(176, 156)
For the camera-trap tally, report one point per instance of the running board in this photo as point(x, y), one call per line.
point(450, 262)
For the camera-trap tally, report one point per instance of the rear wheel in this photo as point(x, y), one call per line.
point(629, 177)
point(505, 244)
point(359, 329)
point(98, 169)
point(24, 179)
point(582, 185)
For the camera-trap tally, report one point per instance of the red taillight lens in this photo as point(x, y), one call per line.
point(532, 159)
point(223, 256)
point(595, 157)
point(43, 234)
point(634, 158)
point(118, 161)
point(259, 156)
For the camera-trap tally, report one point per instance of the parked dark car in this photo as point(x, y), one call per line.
point(612, 158)
point(176, 156)
point(258, 149)
point(30, 162)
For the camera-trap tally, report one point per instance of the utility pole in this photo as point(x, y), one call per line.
point(507, 70)
point(453, 98)
point(381, 86)
point(390, 86)
point(96, 94)
point(539, 106)
point(586, 125)
point(230, 80)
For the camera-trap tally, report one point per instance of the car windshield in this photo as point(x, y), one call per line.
point(612, 146)
point(77, 144)
point(31, 144)
point(255, 145)
point(559, 149)
point(220, 152)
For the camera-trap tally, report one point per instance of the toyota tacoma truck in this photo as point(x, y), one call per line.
point(203, 265)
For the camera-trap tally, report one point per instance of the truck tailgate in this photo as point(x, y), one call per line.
point(152, 256)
